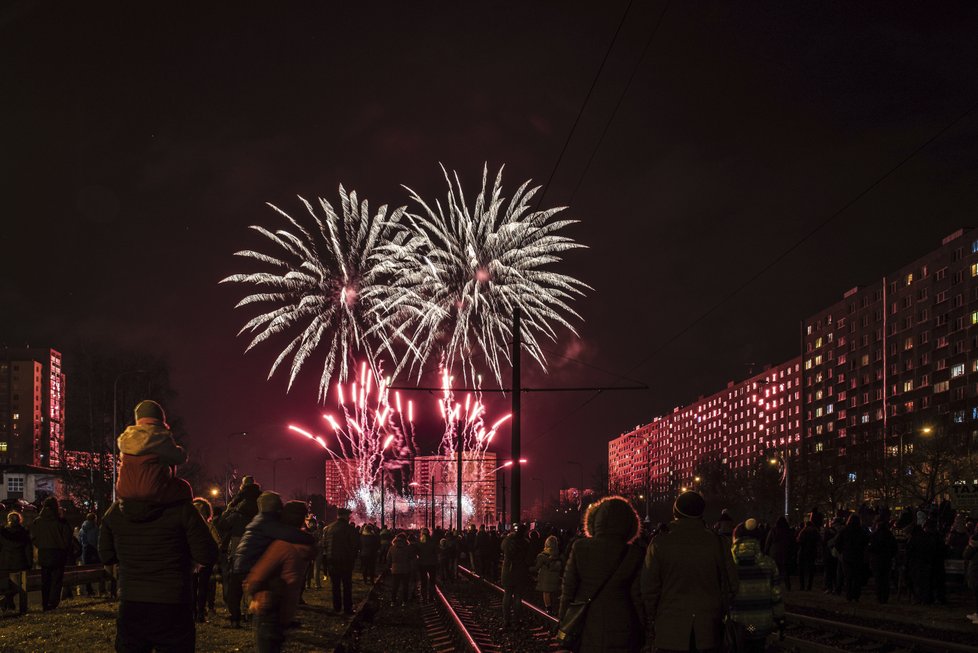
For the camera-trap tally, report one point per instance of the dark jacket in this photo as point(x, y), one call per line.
point(155, 546)
point(260, 533)
point(401, 555)
point(809, 540)
point(687, 580)
point(851, 544)
point(16, 551)
point(614, 618)
point(548, 567)
point(428, 552)
point(340, 542)
point(517, 558)
point(245, 502)
point(780, 545)
point(369, 544)
point(882, 548)
point(53, 538)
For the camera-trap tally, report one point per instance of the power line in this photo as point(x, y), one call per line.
point(818, 227)
point(594, 83)
point(618, 104)
point(770, 265)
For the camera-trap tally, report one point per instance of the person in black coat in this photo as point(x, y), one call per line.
point(851, 545)
point(780, 545)
point(882, 550)
point(52, 536)
point(921, 550)
point(809, 540)
point(16, 554)
point(156, 547)
point(341, 542)
point(607, 555)
point(515, 580)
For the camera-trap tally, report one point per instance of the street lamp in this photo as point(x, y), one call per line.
point(787, 439)
point(115, 426)
point(508, 463)
point(774, 460)
point(275, 462)
point(648, 471)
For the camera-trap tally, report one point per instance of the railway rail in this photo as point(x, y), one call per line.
point(807, 634)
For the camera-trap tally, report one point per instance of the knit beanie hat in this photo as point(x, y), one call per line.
point(269, 502)
point(247, 480)
point(689, 504)
point(148, 408)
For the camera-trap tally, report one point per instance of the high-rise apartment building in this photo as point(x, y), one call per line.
point(895, 357)
point(737, 426)
point(32, 407)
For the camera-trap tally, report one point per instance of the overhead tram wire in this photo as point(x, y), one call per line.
point(587, 98)
point(736, 291)
point(621, 98)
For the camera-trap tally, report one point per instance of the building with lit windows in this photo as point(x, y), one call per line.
point(893, 357)
point(736, 427)
point(32, 407)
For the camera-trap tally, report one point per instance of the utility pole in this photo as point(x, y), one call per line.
point(431, 477)
point(515, 452)
point(503, 503)
point(458, 483)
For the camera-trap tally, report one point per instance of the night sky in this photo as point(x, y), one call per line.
point(137, 145)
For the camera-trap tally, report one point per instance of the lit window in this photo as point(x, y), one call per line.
point(957, 370)
point(908, 385)
point(910, 278)
point(3, 446)
point(15, 484)
point(16, 416)
point(941, 386)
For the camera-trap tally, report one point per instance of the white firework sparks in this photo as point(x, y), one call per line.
point(464, 271)
point(321, 285)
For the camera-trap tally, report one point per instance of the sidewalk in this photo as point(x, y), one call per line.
point(932, 617)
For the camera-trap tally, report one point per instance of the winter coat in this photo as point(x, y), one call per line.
point(156, 547)
point(260, 533)
point(758, 604)
point(53, 538)
point(428, 552)
point(148, 452)
point(780, 545)
point(687, 580)
point(369, 544)
point(851, 544)
point(956, 541)
point(808, 541)
point(244, 504)
point(152, 439)
point(276, 580)
point(548, 567)
point(16, 551)
point(341, 542)
point(401, 556)
point(88, 536)
point(516, 562)
point(882, 548)
point(614, 617)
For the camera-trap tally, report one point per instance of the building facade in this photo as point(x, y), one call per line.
point(32, 407)
point(892, 359)
point(736, 427)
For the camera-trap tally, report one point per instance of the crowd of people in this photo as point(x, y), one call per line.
point(682, 586)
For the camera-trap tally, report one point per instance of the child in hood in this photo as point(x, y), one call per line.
point(149, 455)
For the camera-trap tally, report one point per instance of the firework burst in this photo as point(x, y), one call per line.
point(464, 271)
point(320, 283)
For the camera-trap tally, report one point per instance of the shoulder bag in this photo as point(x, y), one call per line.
point(571, 627)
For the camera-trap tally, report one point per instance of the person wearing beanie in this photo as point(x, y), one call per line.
point(149, 455)
point(757, 607)
point(687, 580)
point(275, 582)
point(242, 508)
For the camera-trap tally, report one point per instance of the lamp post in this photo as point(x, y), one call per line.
point(542, 493)
point(275, 462)
point(648, 471)
point(227, 474)
point(779, 457)
point(115, 426)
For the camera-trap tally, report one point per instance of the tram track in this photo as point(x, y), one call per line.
point(807, 634)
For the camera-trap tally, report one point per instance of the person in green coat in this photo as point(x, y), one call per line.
point(758, 607)
point(688, 581)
